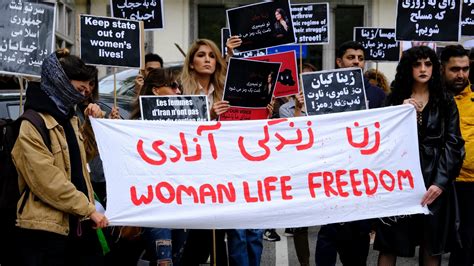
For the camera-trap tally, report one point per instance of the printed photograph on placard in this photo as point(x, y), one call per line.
point(174, 108)
point(287, 83)
point(26, 36)
point(311, 23)
point(379, 43)
point(262, 25)
point(436, 21)
point(333, 91)
point(110, 41)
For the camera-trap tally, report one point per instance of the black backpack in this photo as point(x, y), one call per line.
point(9, 191)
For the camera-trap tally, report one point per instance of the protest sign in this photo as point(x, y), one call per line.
point(225, 34)
point(467, 18)
point(148, 11)
point(379, 43)
point(249, 84)
point(27, 36)
point(279, 173)
point(311, 23)
point(111, 41)
point(334, 91)
point(174, 108)
point(287, 83)
point(262, 25)
point(428, 20)
point(301, 51)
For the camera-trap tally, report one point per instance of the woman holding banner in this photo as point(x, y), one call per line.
point(204, 73)
point(441, 147)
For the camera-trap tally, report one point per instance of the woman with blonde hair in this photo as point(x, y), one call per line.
point(204, 73)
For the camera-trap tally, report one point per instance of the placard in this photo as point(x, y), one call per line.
point(249, 84)
point(467, 18)
point(333, 91)
point(287, 83)
point(428, 20)
point(26, 36)
point(379, 43)
point(262, 25)
point(225, 34)
point(174, 108)
point(311, 23)
point(278, 173)
point(111, 41)
point(148, 11)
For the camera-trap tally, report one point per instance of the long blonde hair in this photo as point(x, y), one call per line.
point(188, 75)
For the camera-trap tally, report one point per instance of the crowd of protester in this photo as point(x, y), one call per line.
point(57, 222)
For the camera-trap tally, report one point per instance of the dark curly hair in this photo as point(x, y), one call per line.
point(403, 83)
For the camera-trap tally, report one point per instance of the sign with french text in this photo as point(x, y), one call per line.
point(26, 36)
point(311, 23)
point(262, 25)
point(174, 108)
point(379, 43)
point(148, 11)
point(280, 173)
point(467, 18)
point(250, 84)
point(111, 41)
point(287, 83)
point(333, 91)
point(428, 20)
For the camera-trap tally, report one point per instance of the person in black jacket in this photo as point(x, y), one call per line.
point(441, 148)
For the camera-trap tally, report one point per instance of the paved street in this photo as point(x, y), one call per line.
point(283, 252)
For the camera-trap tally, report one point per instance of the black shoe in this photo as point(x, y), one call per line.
point(271, 235)
point(289, 232)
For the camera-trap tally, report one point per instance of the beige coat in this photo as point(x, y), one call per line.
point(52, 196)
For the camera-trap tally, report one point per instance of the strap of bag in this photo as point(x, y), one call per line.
point(38, 121)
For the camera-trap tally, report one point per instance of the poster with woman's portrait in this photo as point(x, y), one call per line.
point(249, 88)
point(262, 25)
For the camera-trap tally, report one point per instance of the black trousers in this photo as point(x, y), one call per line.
point(351, 240)
point(199, 247)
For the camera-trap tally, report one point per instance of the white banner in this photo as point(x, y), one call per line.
point(262, 174)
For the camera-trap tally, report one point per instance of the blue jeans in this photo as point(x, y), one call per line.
point(165, 245)
point(245, 246)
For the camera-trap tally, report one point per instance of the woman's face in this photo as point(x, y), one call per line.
point(204, 61)
point(422, 70)
point(277, 15)
point(84, 87)
point(168, 89)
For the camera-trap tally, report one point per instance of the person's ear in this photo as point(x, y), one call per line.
point(191, 66)
point(155, 90)
point(339, 62)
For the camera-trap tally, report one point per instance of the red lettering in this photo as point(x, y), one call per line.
point(156, 146)
point(354, 182)
point(260, 190)
point(228, 190)
point(402, 175)
point(261, 143)
point(210, 136)
point(167, 186)
point(382, 180)
point(248, 197)
point(340, 183)
point(190, 191)
point(143, 199)
point(268, 187)
point(368, 190)
point(311, 185)
point(328, 179)
point(207, 190)
point(285, 188)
